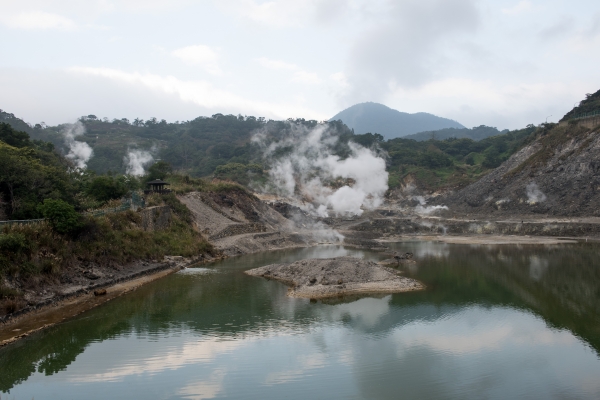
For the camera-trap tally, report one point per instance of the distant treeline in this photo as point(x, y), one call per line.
point(221, 146)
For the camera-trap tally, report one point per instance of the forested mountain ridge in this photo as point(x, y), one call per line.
point(476, 133)
point(390, 123)
point(222, 146)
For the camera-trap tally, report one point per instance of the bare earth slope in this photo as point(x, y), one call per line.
point(558, 174)
point(321, 278)
point(239, 223)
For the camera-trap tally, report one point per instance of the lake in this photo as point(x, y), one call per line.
point(495, 322)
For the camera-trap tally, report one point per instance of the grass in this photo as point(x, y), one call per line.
point(182, 184)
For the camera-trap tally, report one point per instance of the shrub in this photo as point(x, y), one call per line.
point(178, 208)
point(470, 159)
point(13, 242)
point(62, 216)
point(158, 170)
point(104, 188)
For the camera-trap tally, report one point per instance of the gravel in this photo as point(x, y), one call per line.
point(332, 277)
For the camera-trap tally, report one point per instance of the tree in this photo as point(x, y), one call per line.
point(62, 216)
point(12, 137)
point(159, 170)
point(104, 188)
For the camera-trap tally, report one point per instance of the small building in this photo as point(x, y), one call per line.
point(157, 186)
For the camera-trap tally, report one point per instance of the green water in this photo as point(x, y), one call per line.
point(496, 322)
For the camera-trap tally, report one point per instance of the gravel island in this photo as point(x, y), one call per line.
point(332, 277)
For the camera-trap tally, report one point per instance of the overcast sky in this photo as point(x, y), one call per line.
point(503, 63)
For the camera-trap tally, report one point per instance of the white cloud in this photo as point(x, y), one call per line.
point(201, 93)
point(293, 13)
point(490, 102)
point(521, 7)
point(200, 55)
point(38, 20)
point(276, 64)
point(299, 75)
point(408, 46)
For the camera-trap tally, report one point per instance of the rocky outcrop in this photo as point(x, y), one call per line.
point(239, 223)
point(558, 174)
point(322, 278)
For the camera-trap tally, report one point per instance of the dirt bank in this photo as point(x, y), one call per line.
point(378, 226)
point(322, 278)
point(58, 306)
point(239, 223)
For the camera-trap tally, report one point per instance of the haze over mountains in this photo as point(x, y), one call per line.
point(377, 118)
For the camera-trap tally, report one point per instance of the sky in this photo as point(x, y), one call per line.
point(502, 63)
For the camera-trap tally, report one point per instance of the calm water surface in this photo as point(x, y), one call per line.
point(496, 322)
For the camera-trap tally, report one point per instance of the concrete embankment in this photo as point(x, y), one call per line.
point(75, 300)
point(418, 226)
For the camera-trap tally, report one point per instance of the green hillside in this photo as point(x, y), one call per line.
point(476, 133)
point(221, 146)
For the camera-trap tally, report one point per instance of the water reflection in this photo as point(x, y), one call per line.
point(495, 322)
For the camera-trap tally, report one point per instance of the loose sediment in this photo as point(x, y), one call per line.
point(332, 277)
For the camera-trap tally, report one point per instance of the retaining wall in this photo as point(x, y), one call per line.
point(156, 218)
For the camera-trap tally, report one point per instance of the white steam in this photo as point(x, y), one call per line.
point(534, 194)
point(136, 161)
point(320, 181)
point(423, 209)
point(79, 152)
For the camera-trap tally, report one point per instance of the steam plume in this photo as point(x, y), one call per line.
point(320, 181)
point(534, 194)
point(422, 208)
point(79, 152)
point(136, 161)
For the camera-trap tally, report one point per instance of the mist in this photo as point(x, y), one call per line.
point(79, 152)
point(534, 194)
point(136, 162)
point(316, 179)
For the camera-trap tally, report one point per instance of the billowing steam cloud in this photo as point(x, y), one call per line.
point(79, 152)
point(320, 181)
point(534, 194)
point(136, 161)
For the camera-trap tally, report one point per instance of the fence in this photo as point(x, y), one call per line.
point(587, 115)
point(133, 203)
point(22, 222)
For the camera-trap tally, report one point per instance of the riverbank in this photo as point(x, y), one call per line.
point(486, 239)
point(75, 300)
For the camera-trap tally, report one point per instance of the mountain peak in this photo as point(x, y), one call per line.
point(378, 118)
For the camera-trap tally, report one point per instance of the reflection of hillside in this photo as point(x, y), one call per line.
point(220, 304)
point(560, 285)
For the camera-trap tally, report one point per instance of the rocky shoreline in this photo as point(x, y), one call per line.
point(74, 300)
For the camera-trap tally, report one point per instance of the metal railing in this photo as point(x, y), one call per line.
point(22, 221)
point(136, 201)
point(587, 115)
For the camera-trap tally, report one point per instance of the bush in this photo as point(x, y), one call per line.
point(470, 159)
point(178, 208)
point(62, 216)
point(104, 188)
point(13, 242)
point(158, 170)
